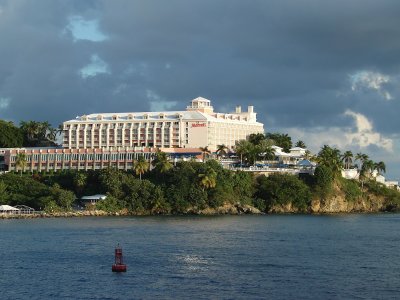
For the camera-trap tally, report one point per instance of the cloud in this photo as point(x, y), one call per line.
point(82, 29)
point(367, 80)
point(364, 134)
point(226, 51)
point(360, 136)
point(4, 103)
point(97, 66)
point(157, 103)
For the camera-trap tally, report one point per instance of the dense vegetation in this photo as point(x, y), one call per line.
point(184, 188)
point(158, 187)
point(29, 134)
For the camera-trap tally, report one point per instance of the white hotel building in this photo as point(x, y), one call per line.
point(97, 141)
point(197, 126)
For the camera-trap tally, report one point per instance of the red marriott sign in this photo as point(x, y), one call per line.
point(198, 125)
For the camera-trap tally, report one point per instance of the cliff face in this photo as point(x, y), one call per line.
point(337, 203)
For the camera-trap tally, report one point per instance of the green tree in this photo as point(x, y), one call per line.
point(282, 189)
point(21, 162)
point(256, 138)
point(380, 167)
point(347, 158)
point(80, 181)
point(243, 148)
point(141, 166)
point(63, 198)
point(208, 179)
point(110, 181)
point(3, 193)
point(330, 157)
point(360, 157)
point(161, 162)
point(300, 144)
point(206, 152)
point(221, 150)
point(10, 135)
point(281, 140)
point(323, 180)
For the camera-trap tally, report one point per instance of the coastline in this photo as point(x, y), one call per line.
point(219, 211)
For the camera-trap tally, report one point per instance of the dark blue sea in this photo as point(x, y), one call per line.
point(186, 257)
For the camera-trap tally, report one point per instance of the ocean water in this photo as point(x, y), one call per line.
point(189, 257)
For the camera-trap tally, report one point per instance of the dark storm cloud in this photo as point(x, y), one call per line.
point(293, 60)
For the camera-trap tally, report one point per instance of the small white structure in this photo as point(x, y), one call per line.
point(392, 184)
point(25, 210)
point(7, 209)
point(350, 173)
point(298, 151)
point(93, 199)
point(379, 178)
point(296, 154)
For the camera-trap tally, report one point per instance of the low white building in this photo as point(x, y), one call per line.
point(7, 209)
point(93, 199)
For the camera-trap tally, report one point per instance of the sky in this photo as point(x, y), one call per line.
point(325, 72)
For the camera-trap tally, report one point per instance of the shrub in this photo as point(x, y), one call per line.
point(350, 188)
point(323, 180)
point(283, 189)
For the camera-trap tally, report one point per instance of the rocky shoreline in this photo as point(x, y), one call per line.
point(331, 206)
point(228, 209)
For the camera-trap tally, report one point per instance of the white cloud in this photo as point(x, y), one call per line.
point(367, 80)
point(364, 135)
point(95, 67)
point(157, 103)
point(357, 137)
point(4, 103)
point(82, 29)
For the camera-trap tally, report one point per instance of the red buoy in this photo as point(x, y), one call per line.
point(119, 265)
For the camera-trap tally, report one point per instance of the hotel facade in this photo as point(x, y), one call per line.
point(97, 141)
point(197, 126)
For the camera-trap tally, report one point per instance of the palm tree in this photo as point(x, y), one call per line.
point(366, 170)
point(21, 161)
point(80, 180)
point(268, 153)
point(242, 148)
point(361, 157)
point(30, 129)
point(300, 144)
point(380, 167)
point(141, 166)
point(161, 162)
point(208, 179)
point(44, 128)
point(52, 134)
point(347, 159)
point(221, 150)
point(205, 152)
point(330, 157)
